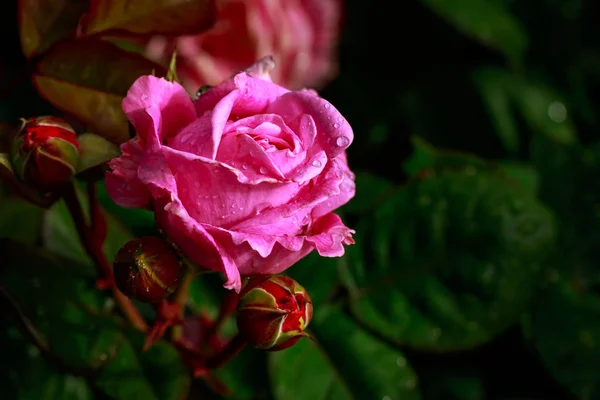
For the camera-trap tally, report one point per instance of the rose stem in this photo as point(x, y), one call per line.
point(234, 346)
point(228, 307)
point(96, 216)
point(94, 249)
point(180, 298)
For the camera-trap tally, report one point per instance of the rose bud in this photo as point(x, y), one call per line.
point(45, 152)
point(273, 312)
point(147, 269)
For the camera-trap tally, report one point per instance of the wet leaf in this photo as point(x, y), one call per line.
point(167, 17)
point(344, 363)
point(88, 79)
point(449, 261)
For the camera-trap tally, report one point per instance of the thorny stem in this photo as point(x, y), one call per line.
point(227, 353)
point(93, 247)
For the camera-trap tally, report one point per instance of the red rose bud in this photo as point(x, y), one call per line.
point(45, 153)
point(273, 312)
point(147, 269)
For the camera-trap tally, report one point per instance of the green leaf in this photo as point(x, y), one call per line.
point(138, 221)
point(525, 174)
point(89, 78)
point(95, 150)
point(20, 220)
point(542, 108)
point(60, 235)
point(449, 261)
point(345, 363)
point(566, 171)
point(370, 191)
point(488, 22)
point(45, 22)
point(494, 85)
point(564, 326)
point(61, 300)
point(425, 156)
point(157, 374)
point(167, 17)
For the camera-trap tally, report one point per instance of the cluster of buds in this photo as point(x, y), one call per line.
point(45, 153)
point(147, 269)
point(273, 312)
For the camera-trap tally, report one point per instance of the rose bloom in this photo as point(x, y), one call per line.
point(301, 35)
point(245, 178)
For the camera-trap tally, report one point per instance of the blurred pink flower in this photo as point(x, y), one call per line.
point(301, 35)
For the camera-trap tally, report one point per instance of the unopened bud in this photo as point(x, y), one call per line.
point(273, 312)
point(147, 269)
point(45, 153)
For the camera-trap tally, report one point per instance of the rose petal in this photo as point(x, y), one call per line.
point(334, 133)
point(331, 235)
point(255, 95)
point(167, 105)
point(213, 193)
point(174, 219)
point(122, 182)
point(347, 188)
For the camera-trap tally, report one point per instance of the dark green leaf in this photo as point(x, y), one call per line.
point(370, 191)
point(425, 156)
point(564, 326)
point(486, 21)
point(88, 79)
point(19, 220)
point(450, 261)
point(61, 300)
point(61, 237)
point(168, 17)
point(44, 22)
point(345, 363)
point(155, 374)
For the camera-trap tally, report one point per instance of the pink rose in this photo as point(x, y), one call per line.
point(301, 35)
point(245, 178)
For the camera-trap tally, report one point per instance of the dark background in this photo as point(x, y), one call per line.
point(407, 70)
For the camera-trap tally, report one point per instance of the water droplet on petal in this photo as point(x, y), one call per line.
point(316, 163)
point(327, 105)
point(144, 97)
point(342, 141)
point(336, 125)
point(263, 170)
point(244, 167)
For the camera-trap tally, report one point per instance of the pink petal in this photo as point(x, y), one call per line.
point(213, 194)
point(122, 181)
point(330, 235)
point(334, 133)
point(255, 95)
point(158, 108)
point(175, 220)
point(346, 185)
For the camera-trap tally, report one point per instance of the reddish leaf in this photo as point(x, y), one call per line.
point(88, 79)
point(168, 17)
point(45, 22)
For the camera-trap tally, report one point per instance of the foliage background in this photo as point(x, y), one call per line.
point(475, 274)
